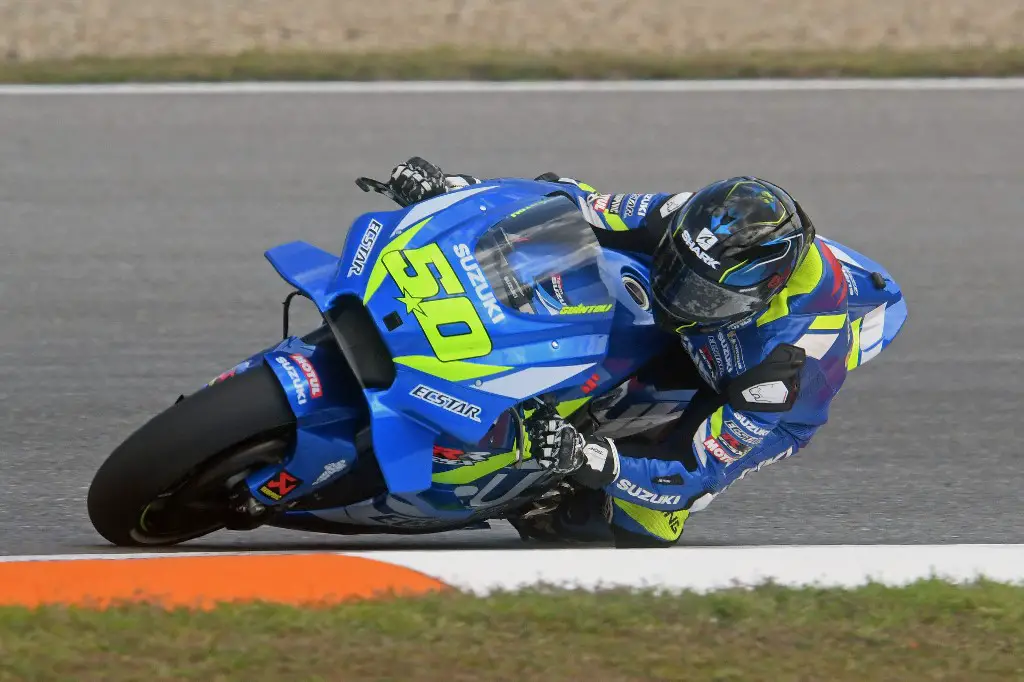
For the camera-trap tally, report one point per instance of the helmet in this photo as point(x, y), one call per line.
point(726, 253)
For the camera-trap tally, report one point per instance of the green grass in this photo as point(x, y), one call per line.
point(930, 631)
point(454, 64)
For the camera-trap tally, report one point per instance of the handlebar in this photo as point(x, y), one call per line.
point(371, 185)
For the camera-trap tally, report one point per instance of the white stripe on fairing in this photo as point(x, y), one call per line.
point(842, 255)
point(552, 87)
point(866, 355)
point(816, 345)
point(431, 206)
point(531, 381)
point(871, 328)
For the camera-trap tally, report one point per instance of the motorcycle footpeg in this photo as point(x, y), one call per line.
point(248, 515)
point(539, 510)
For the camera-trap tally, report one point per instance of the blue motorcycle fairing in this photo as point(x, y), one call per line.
point(876, 313)
point(444, 383)
point(307, 268)
point(320, 389)
point(464, 491)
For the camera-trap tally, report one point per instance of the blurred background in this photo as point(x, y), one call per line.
point(225, 39)
point(117, 28)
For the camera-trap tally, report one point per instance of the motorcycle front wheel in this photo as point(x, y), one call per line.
point(171, 480)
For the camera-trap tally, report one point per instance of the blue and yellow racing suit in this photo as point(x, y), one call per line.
point(770, 381)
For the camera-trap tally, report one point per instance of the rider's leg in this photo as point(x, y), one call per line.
point(635, 525)
point(593, 517)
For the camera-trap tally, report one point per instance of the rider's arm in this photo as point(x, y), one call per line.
point(615, 212)
point(624, 212)
point(620, 212)
point(703, 458)
point(700, 462)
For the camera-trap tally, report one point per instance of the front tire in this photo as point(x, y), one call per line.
point(168, 482)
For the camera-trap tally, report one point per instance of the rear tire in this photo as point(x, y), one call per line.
point(222, 430)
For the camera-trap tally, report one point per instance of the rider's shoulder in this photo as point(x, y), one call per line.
point(817, 328)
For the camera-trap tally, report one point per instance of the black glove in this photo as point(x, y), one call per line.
point(416, 180)
point(556, 445)
point(555, 177)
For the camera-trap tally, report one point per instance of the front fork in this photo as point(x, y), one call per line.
point(329, 410)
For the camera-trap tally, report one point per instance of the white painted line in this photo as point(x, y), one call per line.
point(140, 555)
point(703, 569)
point(519, 87)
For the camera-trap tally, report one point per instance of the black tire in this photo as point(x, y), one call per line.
point(244, 411)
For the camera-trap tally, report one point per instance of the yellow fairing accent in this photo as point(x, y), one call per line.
point(473, 472)
point(829, 321)
point(379, 272)
point(453, 370)
point(716, 422)
point(665, 525)
point(854, 358)
point(614, 222)
point(567, 407)
point(803, 281)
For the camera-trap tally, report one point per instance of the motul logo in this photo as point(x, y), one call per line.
point(715, 448)
point(315, 390)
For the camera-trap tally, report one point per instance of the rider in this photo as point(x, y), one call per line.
point(760, 306)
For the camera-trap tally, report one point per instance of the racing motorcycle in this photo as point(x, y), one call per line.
point(445, 324)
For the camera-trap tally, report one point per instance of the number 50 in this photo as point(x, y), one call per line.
point(466, 335)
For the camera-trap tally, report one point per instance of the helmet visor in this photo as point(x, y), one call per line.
point(690, 298)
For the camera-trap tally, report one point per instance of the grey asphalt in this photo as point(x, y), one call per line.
point(131, 270)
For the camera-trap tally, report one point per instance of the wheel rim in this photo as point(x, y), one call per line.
point(199, 504)
point(142, 534)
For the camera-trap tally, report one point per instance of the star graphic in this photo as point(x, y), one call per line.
point(411, 303)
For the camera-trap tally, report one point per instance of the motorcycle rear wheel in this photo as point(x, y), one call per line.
point(169, 481)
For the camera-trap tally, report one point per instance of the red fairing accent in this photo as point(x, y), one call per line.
point(839, 281)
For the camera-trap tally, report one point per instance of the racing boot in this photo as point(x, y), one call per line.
point(578, 515)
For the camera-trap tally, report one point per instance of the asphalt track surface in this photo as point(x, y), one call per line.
point(132, 270)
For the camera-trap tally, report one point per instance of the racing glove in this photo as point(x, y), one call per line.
point(556, 445)
point(415, 180)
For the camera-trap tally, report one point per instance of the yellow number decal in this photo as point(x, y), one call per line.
point(471, 339)
point(422, 283)
point(471, 343)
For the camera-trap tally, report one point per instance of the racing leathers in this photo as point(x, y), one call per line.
point(769, 381)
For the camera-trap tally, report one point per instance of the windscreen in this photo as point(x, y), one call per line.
point(543, 260)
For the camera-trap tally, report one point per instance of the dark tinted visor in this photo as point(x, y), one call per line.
point(690, 298)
